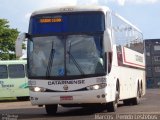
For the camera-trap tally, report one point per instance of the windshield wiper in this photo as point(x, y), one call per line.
point(74, 60)
point(50, 62)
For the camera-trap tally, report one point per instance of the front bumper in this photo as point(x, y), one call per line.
point(80, 97)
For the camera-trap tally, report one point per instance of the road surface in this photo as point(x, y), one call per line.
point(149, 108)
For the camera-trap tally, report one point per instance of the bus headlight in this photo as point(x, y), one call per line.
point(37, 89)
point(97, 86)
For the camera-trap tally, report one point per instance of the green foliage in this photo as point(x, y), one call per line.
point(8, 37)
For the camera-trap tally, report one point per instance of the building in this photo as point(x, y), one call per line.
point(152, 53)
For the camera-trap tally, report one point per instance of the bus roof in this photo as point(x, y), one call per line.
point(81, 8)
point(7, 62)
point(70, 9)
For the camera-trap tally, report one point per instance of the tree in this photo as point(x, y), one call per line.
point(8, 37)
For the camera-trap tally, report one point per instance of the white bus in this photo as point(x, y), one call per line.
point(83, 56)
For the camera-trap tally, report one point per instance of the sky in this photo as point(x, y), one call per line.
point(144, 14)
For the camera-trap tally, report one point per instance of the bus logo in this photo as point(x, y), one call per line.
point(65, 87)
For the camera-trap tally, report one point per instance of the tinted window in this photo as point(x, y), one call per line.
point(126, 35)
point(156, 47)
point(3, 72)
point(16, 71)
point(26, 70)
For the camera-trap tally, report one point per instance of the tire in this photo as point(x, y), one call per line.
point(136, 100)
point(51, 109)
point(141, 90)
point(112, 106)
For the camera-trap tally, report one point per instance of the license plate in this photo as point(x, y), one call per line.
point(66, 98)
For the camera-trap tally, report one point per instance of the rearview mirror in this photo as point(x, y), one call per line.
point(18, 44)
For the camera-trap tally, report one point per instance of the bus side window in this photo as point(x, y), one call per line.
point(119, 55)
point(3, 72)
point(16, 71)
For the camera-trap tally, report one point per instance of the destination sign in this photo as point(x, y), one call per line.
point(85, 22)
point(50, 20)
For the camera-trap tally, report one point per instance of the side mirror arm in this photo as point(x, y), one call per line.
point(18, 46)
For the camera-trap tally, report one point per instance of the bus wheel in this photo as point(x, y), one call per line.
point(141, 90)
point(51, 109)
point(112, 106)
point(136, 100)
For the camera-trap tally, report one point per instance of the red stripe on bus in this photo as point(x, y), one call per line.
point(134, 64)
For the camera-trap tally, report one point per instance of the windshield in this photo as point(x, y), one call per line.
point(67, 55)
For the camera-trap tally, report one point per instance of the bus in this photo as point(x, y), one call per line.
point(13, 79)
point(83, 56)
